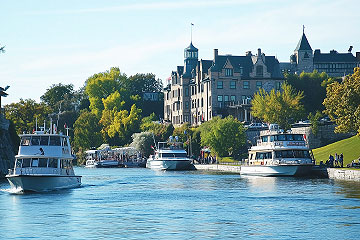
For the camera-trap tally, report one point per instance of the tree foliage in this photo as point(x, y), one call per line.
point(342, 103)
point(313, 85)
point(161, 131)
point(143, 142)
point(87, 132)
point(24, 114)
point(281, 107)
point(59, 95)
point(225, 136)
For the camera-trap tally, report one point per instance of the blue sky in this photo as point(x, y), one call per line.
point(67, 41)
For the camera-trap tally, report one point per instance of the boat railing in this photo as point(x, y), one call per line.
point(37, 170)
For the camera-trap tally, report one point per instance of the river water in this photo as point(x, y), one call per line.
point(146, 204)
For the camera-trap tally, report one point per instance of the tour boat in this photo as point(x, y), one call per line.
point(43, 163)
point(169, 156)
point(278, 153)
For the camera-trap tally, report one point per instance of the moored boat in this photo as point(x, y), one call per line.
point(278, 153)
point(169, 156)
point(43, 163)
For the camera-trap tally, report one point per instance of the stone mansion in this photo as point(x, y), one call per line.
point(202, 89)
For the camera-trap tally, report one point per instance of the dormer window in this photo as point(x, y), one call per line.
point(228, 72)
point(259, 71)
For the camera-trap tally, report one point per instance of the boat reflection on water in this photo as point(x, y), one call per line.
point(261, 184)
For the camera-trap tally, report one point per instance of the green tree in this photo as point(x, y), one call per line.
point(140, 83)
point(225, 136)
point(314, 120)
point(342, 103)
point(281, 107)
point(143, 142)
point(162, 131)
point(101, 85)
point(24, 114)
point(59, 96)
point(87, 132)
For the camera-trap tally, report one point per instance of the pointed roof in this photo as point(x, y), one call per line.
point(303, 44)
point(191, 48)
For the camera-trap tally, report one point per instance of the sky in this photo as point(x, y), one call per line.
point(67, 41)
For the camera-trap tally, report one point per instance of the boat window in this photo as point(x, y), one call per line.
point(18, 163)
point(35, 162)
point(272, 138)
point(177, 155)
point(52, 162)
point(44, 140)
point(42, 162)
point(298, 137)
point(55, 141)
point(35, 140)
point(26, 162)
point(263, 155)
point(292, 154)
point(289, 137)
point(25, 141)
point(264, 138)
point(281, 138)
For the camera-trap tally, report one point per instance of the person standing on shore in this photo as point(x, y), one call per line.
point(341, 160)
point(336, 160)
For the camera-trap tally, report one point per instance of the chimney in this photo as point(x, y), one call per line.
point(259, 52)
point(216, 54)
point(248, 53)
point(358, 56)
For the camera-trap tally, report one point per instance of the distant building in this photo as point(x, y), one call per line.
point(202, 89)
point(151, 96)
point(334, 64)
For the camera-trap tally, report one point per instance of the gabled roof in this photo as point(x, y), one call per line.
point(180, 70)
point(245, 62)
point(334, 56)
point(206, 64)
point(303, 44)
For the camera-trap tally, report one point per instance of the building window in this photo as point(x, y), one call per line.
point(220, 98)
point(258, 84)
point(246, 84)
point(259, 71)
point(233, 98)
point(186, 105)
point(186, 92)
point(220, 84)
point(202, 102)
point(210, 101)
point(241, 71)
point(228, 72)
point(232, 84)
point(202, 87)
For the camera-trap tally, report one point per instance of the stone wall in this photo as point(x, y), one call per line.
point(341, 174)
point(7, 156)
point(217, 167)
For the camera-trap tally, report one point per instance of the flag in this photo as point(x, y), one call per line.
point(65, 126)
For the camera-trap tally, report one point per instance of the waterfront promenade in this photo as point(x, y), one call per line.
point(333, 173)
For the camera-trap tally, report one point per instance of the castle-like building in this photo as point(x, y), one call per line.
point(335, 64)
point(202, 89)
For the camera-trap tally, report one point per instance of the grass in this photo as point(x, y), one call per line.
point(350, 148)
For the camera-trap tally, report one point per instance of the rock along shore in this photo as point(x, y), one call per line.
point(344, 174)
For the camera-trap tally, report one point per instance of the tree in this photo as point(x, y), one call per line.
point(101, 85)
point(225, 136)
point(281, 107)
point(87, 132)
point(24, 114)
point(342, 103)
point(314, 120)
point(161, 131)
point(140, 83)
point(143, 142)
point(59, 96)
point(313, 85)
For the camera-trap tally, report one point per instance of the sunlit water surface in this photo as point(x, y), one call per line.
point(145, 204)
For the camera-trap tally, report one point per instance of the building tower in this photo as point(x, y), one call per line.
point(303, 56)
point(190, 60)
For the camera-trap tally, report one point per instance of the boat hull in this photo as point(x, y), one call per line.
point(43, 183)
point(169, 164)
point(278, 170)
point(108, 164)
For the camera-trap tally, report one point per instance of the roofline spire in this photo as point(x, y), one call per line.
point(303, 29)
point(191, 32)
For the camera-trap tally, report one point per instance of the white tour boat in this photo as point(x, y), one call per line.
point(278, 153)
point(44, 163)
point(169, 156)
